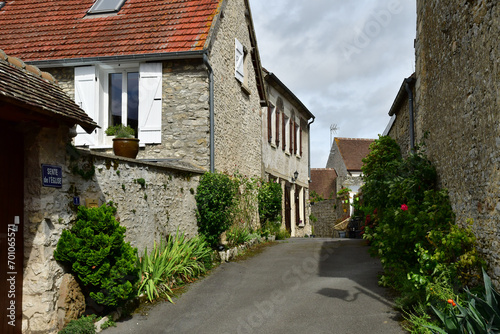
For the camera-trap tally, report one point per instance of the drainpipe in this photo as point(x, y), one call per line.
point(408, 81)
point(309, 148)
point(211, 107)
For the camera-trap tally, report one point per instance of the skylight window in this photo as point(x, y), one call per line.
point(106, 6)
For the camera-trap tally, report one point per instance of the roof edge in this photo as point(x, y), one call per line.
point(147, 57)
point(288, 91)
point(401, 94)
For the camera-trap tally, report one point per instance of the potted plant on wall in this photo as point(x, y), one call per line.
point(124, 143)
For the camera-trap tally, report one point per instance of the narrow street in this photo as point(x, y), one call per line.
point(301, 285)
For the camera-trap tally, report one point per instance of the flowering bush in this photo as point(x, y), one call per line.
point(410, 223)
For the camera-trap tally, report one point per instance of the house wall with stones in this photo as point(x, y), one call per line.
point(237, 105)
point(280, 164)
point(457, 96)
point(328, 213)
point(185, 114)
point(400, 130)
point(149, 213)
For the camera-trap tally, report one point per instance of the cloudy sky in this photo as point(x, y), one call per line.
point(345, 60)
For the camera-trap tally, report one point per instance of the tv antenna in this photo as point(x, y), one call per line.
point(333, 130)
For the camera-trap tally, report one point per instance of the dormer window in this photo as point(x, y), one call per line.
point(106, 6)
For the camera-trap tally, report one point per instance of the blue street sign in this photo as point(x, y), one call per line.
point(51, 176)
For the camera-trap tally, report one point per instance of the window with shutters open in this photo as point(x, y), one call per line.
point(120, 94)
point(271, 124)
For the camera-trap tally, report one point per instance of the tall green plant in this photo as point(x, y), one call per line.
point(172, 261)
point(270, 197)
point(95, 251)
point(215, 199)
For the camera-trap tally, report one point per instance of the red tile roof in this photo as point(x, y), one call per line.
point(28, 88)
point(61, 29)
point(353, 150)
point(323, 182)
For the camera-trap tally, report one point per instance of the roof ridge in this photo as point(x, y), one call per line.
point(365, 139)
point(30, 69)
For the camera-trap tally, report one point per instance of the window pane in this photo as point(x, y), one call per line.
point(104, 6)
point(115, 98)
point(133, 100)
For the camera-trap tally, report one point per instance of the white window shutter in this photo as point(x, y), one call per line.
point(150, 103)
point(239, 65)
point(85, 97)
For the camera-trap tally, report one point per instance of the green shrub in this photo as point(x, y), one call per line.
point(270, 197)
point(215, 199)
point(84, 325)
point(238, 235)
point(282, 234)
point(95, 250)
point(120, 131)
point(410, 225)
point(171, 263)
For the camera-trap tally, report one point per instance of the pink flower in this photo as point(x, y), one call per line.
point(404, 207)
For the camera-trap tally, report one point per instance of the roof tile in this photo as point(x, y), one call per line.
point(38, 91)
point(353, 150)
point(62, 28)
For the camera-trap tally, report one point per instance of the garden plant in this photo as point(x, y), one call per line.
point(94, 250)
point(410, 226)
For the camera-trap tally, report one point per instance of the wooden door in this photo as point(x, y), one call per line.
point(11, 228)
point(288, 208)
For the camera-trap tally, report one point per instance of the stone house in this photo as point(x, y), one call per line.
point(184, 74)
point(401, 112)
point(35, 118)
point(189, 78)
point(346, 155)
point(285, 152)
point(456, 107)
point(48, 178)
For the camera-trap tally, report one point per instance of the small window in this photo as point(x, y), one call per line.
point(106, 6)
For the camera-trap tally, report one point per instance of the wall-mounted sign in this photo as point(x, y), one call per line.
point(52, 176)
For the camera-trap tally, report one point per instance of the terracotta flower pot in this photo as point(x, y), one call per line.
point(126, 147)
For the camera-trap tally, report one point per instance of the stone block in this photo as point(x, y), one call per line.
point(71, 302)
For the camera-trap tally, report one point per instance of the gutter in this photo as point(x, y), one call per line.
point(212, 112)
point(309, 148)
point(143, 57)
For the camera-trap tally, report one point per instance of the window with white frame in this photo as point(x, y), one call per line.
point(120, 94)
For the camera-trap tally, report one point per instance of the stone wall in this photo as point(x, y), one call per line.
point(457, 96)
point(185, 114)
point(238, 129)
point(328, 213)
point(400, 129)
point(164, 203)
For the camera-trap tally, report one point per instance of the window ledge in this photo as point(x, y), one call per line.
point(245, 89)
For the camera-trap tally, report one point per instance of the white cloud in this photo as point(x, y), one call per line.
point(304, 44)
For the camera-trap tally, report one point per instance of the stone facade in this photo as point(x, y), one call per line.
point(400, 111)
point(237, 105)
point(165, 203)
point(281, 162)
point(457, 108)
point(185, 116)
point(328, 213)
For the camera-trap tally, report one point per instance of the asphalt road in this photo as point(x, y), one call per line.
point(309, 285)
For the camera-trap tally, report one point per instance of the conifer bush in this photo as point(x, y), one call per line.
point(216, 200)
point(96, 253)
